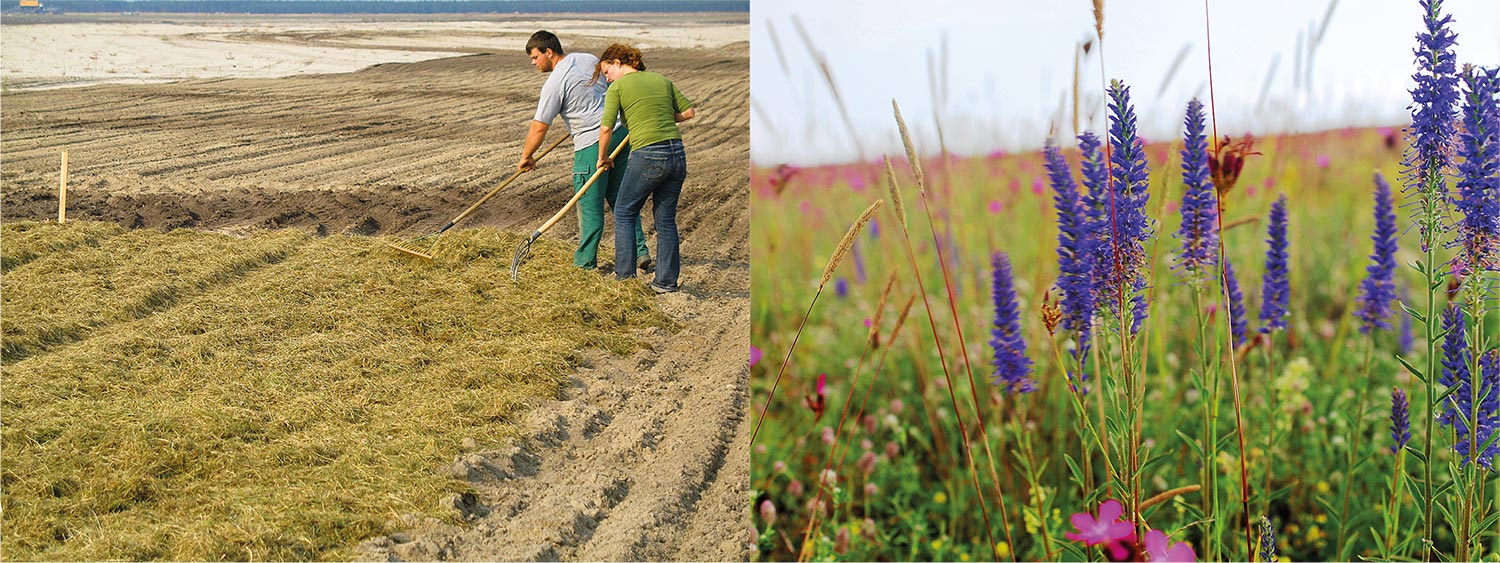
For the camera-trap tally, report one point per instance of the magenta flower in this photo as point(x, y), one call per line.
point(754, 355)
point(817, 403)
point(1324, 161)
point(1159, 548)
point(1106, 529)
point(995, 207)
point(1037, 187)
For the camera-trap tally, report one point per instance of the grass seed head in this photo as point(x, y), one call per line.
point(848, 241)
point(911, 151)
point(895, 191)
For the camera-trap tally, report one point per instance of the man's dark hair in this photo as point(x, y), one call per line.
point(543, 40)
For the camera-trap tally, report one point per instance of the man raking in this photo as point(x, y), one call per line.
point(572, 93)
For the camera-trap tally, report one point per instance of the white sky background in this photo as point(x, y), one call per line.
point(1010, 68)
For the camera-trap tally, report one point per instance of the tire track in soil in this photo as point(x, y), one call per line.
point(644, 457)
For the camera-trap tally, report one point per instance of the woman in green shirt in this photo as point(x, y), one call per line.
point(650, 107)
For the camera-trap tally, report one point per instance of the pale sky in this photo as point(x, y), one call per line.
point(1010, 68)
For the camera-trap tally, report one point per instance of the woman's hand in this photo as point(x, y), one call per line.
point(605, 163)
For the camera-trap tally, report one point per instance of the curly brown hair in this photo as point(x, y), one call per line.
point(624, 54)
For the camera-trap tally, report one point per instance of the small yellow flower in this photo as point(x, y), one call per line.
point(1323, 487)
point(1003, 549)
point(940, 498)
point(1283, 559)
point(937, 544)
point(1314, 533)
point(1321, 518)
point(963, 557)
point(854, 529)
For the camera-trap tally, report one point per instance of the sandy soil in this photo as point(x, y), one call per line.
point(645, 457)
point(81, 50)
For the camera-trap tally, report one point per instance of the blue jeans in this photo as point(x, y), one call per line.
point(656, 171)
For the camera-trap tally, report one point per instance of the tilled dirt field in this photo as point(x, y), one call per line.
point(645, 457)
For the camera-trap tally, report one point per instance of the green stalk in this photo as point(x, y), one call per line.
point(1209, 450)
point(1271, 403)
point(1393, 509)
point(1355, 433)
point(1428, 231)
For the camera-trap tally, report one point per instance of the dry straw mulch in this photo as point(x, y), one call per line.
point(188, 395)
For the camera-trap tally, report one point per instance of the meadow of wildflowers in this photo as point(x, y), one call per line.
point(1077, 372)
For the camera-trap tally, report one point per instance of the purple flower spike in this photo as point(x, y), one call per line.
point(1239, 321)
point(1455, 368)
point(1275, 290)
point(1076, 251)
point(1400, 420)
point(1460, 411)
point(1379, 287)
point(1479, 173)
point(1200, 210)
point(1433, 101)
point(1129, 226)
point(1011, 364)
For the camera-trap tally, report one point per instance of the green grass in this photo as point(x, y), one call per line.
point(271, 397)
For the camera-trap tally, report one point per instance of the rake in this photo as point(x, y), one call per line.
point(525, 250)
point(422, 247)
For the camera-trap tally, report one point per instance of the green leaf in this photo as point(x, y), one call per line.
point(1073, 468)
point(1327, 507)
point(1349, 545)
point(1193, 444)
point(1225, 440)
point(1415, 314)
point(1442, 397)
point(1494, 436)
point(1443, 488)
point(1417, 454)
point(1411, 368)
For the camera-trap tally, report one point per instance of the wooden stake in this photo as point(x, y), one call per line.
point(62, 191)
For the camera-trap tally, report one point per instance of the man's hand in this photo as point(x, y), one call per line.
point(526, 164)
point(606, 163)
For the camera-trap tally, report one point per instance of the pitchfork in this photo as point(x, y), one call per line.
point(415, 247)
point(525, 250)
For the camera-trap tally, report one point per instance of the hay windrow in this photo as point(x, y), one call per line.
point(291, 411)
point(24, 241)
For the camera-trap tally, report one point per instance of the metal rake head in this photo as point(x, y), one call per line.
point(522, 254)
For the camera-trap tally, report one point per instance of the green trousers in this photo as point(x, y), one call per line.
point(591, 205)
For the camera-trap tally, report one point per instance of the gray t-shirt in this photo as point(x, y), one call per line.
point(569, 92)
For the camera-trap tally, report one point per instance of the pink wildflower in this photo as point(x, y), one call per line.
point(1107, 528)
point(995, 207)
point(768, 512)
point(819, 402)
point(755, 355)
point(1159, 548)
point(866, 463)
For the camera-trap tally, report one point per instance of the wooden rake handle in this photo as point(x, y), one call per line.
point(579, 195)
point(502, 186)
